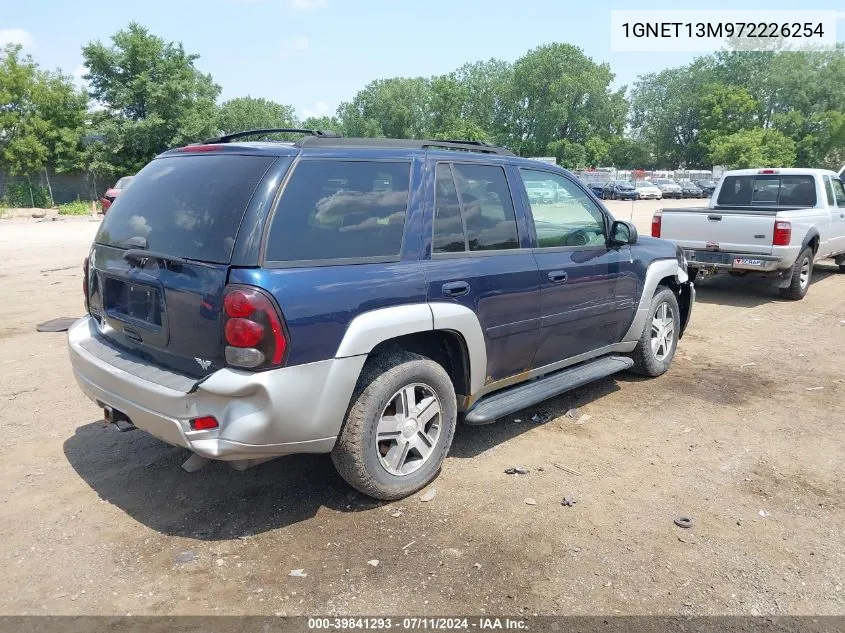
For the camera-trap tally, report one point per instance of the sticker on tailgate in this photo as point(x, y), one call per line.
point(746, 261)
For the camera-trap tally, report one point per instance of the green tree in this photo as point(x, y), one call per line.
point(323, 123)
point(629, 153)
point(395, 108)
point(555, 93)
point(42, 116)
point(249, 113)
point(153, 98)
point(753, 148)
point(568, 153)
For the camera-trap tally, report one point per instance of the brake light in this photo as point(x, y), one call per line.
point(243, 332)
point(204, 423)
point(253, 329)
point(656, 224)
point(768, 171)
point(85, 269)
point(783, 234)
point(199, 148)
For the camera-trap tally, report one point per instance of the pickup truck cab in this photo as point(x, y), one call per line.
point(247, 300)
point(773, 222)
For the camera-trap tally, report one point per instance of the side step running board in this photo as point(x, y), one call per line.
point(499, 404)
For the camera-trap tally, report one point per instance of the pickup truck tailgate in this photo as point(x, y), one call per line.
point(728, 231)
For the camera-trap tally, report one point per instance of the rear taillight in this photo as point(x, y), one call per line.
point(783, 234)
point(656, 223)
point(252, 328)
point(85, 281)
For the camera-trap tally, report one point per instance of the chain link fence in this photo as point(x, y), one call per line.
point(46, 190)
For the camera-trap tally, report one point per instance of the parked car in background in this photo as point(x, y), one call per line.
point(109, 196)
point(648, 191)
point(597, 188)
point(669, 188)
point(690, 190)
point(204, 329)
point(774, 222)
point(620, 190)
point(707, 186)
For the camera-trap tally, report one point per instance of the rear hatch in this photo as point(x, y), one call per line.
point(160, 261)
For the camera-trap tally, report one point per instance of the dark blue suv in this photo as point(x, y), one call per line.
point(356, 296)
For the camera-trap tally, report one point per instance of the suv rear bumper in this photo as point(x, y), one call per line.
point(264, 414)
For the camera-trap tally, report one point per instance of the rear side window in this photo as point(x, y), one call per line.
point(333, 209)
point(775, 191)
point(473, 209)
point(487, 207)
point(187, 206)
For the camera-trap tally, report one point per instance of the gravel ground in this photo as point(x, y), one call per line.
point(744, 435)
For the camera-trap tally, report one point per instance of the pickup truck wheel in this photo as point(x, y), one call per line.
point(656, 347)
point(399, 426)
point(802, 272)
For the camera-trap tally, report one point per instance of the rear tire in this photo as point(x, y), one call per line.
point(656, 348)
point(391, 447)
point(802, 272)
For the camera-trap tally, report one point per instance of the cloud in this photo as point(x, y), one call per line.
point(291, 48)
point(16, 36)
point(321, 109)
point(307, 5)
point(78, 74)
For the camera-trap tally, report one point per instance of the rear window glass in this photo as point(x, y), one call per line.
point(775, 191)
point(187, 206)
point(333, 209)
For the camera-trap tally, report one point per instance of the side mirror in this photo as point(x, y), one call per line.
point(622, 232)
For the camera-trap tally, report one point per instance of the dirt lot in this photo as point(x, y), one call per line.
point(744, 434)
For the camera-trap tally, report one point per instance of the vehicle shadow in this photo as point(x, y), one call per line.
point(142, 476)
point(749, 291)
point(471, 441)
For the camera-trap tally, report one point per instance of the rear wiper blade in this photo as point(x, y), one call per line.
point(139, 254)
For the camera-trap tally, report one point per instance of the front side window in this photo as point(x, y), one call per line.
point(572, 219)
point(333, 209)
point(838, 192)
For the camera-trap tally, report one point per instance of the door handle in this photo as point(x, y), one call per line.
point(558, 276)
point(455, 289)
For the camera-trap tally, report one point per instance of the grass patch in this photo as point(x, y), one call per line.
point(77, 207)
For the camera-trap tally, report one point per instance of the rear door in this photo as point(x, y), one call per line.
point(160, 260)
point(482, 260)
point(588, 290)
point(744, 231)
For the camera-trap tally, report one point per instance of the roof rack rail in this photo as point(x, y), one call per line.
point(226, 138)
point(349, 142)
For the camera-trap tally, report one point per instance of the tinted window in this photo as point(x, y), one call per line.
point(487, 207)
point(449, 234)
point(572, 219)
point(839, 192)
point(792, 191)
point(333, 209)
point(188, 206)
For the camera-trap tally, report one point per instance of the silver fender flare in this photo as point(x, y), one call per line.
point(367, 330)
point(656, 272)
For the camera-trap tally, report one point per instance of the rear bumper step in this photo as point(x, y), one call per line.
point(511, 400)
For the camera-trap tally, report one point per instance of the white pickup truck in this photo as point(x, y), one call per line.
point(775, 222)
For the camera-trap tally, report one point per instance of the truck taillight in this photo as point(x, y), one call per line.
point(783, 234)
point(656, 223)
point(85, 269)
point(252, 328)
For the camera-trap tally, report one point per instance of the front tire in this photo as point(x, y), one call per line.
point(399, 427)
point(802, 272)
point(656, 348)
